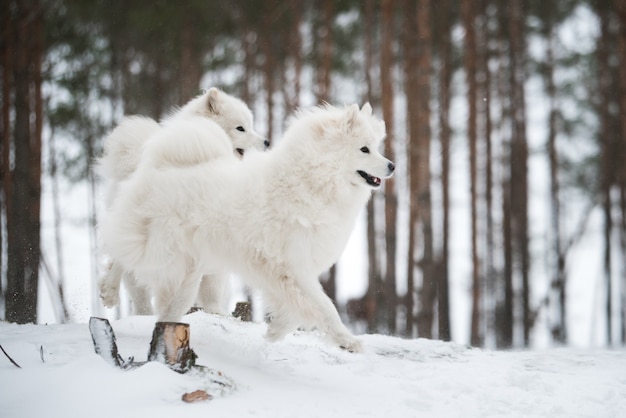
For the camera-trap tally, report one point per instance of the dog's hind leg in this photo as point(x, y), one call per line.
point(214, 292)
point(139, 295)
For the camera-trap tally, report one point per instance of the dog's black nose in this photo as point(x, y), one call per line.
point(391, 167)
point(267, 143)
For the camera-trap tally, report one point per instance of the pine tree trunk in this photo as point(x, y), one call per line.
point(443, 303)
point(606, 156)
point(386, 75)
point(5, 127)
point(504, 319)
point(410, 75)
point(484, 87)
point(428, 292)
point(558, 327)
point(519, 161)
point(190, 69)
point(470, 70)
point(23, 221)
point(621, 10)
point(373, 298)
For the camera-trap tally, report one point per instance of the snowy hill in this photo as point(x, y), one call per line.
point(301, 376)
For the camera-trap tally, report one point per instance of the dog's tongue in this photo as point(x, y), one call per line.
point(377, 180)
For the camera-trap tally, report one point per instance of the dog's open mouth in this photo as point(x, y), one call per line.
point(239, 150)
point(371, 180)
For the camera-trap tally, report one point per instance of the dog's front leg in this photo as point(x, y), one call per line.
point(172, 302)
point(109, 284)
point(298, 304)
point(331, 325)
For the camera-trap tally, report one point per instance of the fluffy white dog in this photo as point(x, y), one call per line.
point(212, 116)
point(279, 218)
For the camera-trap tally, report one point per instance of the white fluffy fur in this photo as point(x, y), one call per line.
point(279, 219)
point(214, 117)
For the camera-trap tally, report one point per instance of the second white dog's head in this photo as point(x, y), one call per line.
point(232, 115)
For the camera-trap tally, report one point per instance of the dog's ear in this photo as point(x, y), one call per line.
point(212, 101)
point(367, 109)
point(350, 118)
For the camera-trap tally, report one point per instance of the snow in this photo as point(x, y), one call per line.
point(301, 376)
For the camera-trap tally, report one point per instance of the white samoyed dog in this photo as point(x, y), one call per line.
point(278, 219)
point(212, 116)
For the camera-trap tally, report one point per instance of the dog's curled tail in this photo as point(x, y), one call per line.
point(123, 147)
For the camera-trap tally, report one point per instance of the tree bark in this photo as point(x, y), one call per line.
point(519, 161)
point(410, 76)
point(428, 291)
point(23, 221)
point(476, 338)
point(443, 303)
point(504, 306)
point(5, 126)
point(386, 76)
point(170, 345)
point(374, 297)
point(606, 156)
point(558, 296)
point(484, 87)
point(190, 71)
point(621, 10)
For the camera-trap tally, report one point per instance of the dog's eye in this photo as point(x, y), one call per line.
point(365, 150)
point(240, 129)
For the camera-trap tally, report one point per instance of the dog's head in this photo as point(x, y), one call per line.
point(233, 116)
point(368, 132)
point(354, 136)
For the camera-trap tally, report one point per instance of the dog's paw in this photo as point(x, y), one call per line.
point(272, 335)
point(110, 297)
point(352, 345)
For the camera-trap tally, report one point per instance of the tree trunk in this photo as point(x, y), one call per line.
point(428, 292)
point(606, 156)
point(519, 160)
point(484, 86)
point(443, 303)
point(476, 338)
point(5, 125)
point(325, 34)
point(374, 297)
point(23, 221)
point(504, 306)
point(56, 210)
point(410, 75)
point(386, 79)
point(558, 300)
point(621, 9)
point(190, 69)
point(170, 345)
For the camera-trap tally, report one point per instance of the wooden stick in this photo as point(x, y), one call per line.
point(10, 359)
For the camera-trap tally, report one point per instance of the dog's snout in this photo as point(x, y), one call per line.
point(391, 166)
point(266, 143)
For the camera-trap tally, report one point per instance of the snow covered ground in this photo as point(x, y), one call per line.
point(302, 376)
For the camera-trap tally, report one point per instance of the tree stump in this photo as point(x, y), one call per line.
point(170, 345)
point(243, 311)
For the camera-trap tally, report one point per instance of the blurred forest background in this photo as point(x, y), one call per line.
point(505, 119)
